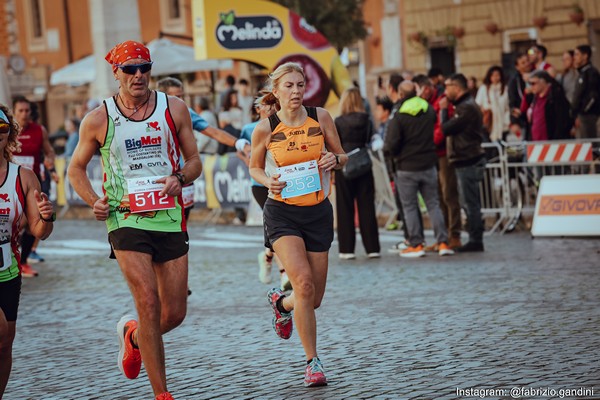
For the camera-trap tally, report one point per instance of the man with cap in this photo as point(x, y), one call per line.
point(141, 135)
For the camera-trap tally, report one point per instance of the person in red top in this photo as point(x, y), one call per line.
point(449, 200)
point(549, 111)
point(537, 57)
point(35, 149)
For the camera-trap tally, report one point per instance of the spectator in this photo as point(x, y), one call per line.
point(383, 110)
point(537, 57)
point(518, 89)
point(492, 97)
point(448, 186)
point(586, 99)
point(410, 141)
point(207, 144)
point(465, 135)
point(472, 83)
point(569, 76)
point(229, 86)
point(355, 130)
point(550, 116)
point(231, 112)
point(437, 79)
point(72, 129)
point(394, 94)
point(245, 101)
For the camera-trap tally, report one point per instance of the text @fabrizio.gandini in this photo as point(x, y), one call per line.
point(519, 392)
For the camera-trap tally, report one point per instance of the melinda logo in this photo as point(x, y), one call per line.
point(256, 32)
point(143, 142)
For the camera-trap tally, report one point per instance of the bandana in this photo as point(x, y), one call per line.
point(127, 51)
point(3, 117)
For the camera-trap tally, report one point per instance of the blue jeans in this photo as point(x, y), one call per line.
point(469, 179)
point(409, 185)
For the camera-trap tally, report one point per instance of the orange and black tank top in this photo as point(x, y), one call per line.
point(291, 145)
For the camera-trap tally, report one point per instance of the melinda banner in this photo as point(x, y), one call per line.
point(268, 34)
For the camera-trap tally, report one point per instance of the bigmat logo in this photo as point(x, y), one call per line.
point(255, 32)
point(142, 143)
point(570, 204)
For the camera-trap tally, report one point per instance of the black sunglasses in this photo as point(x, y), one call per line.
point(131, 69)
point(4, 127)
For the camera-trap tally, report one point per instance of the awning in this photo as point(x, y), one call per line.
point(169, 58)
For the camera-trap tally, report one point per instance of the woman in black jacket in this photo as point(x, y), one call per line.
point(355, 129)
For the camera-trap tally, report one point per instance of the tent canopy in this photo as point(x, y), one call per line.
point(168, 57)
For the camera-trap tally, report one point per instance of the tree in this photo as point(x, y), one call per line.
point(340, 21)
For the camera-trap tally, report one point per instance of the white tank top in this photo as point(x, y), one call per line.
point(12, 203)
point(137, 150)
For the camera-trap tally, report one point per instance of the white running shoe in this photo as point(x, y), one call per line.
point(264, 268)
point(347, 256)
point(285, 282)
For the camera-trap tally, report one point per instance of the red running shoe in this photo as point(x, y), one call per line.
point(130, 359)
point(282, 322)
point(164, 396)
point(27, 271)
point(315, 374)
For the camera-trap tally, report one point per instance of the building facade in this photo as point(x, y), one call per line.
point(469, 36)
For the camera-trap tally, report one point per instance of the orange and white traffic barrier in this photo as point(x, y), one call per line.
point(559, 152)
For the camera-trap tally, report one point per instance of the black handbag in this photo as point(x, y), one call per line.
point(359, 163)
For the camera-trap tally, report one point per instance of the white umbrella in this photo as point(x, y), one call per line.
point(78, 73)
point(168, 57)
point(173, 58)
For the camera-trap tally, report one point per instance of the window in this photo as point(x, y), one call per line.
point(172, 16)
point(36, 19)
point(36, 29)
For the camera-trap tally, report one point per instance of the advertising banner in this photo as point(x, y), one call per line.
point(224, 183)
point(268, 34)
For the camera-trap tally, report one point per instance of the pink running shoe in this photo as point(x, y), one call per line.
point(315, 374)
point(282, 322)
point(165, 396)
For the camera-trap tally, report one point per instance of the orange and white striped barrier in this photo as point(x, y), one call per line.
point(559, 152)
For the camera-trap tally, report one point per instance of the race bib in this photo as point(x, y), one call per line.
point(187, 194)
point(300, 179)
point(144, 195)
point(25, 161)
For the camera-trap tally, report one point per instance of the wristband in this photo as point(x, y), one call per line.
point(51, 219)
point(337, 159)
point(180, 177)
point(240, 144)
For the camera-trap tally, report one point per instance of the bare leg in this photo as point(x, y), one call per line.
point(7, 336)
point(308, 273)
point(159, 293)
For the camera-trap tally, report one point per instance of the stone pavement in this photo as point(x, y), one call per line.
point(523, 314)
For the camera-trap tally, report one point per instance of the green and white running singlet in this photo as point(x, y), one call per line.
point(12, 204)
point(140, 151)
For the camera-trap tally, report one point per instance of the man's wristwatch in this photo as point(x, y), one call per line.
point(337, 159)
point(51, 219)
point(180, 177)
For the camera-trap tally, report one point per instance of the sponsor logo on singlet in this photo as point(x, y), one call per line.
point(152, 126)
point(135, 167)
point(143, 143)
point(4, 197)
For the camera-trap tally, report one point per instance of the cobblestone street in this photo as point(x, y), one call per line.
point(524, 313)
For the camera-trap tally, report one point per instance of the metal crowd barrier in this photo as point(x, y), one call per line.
point(513, 173)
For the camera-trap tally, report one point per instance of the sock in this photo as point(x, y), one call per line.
point(135, 346)
point(279, 305)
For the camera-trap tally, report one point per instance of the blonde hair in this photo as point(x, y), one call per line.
point(274, 79)
point(351, 101)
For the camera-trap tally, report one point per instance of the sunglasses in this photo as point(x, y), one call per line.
point(132, 69)
point(4, 127)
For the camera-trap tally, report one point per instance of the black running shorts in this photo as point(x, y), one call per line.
point(261, 194)
point(10, 292)
point(163, 246)
point(314, 224)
